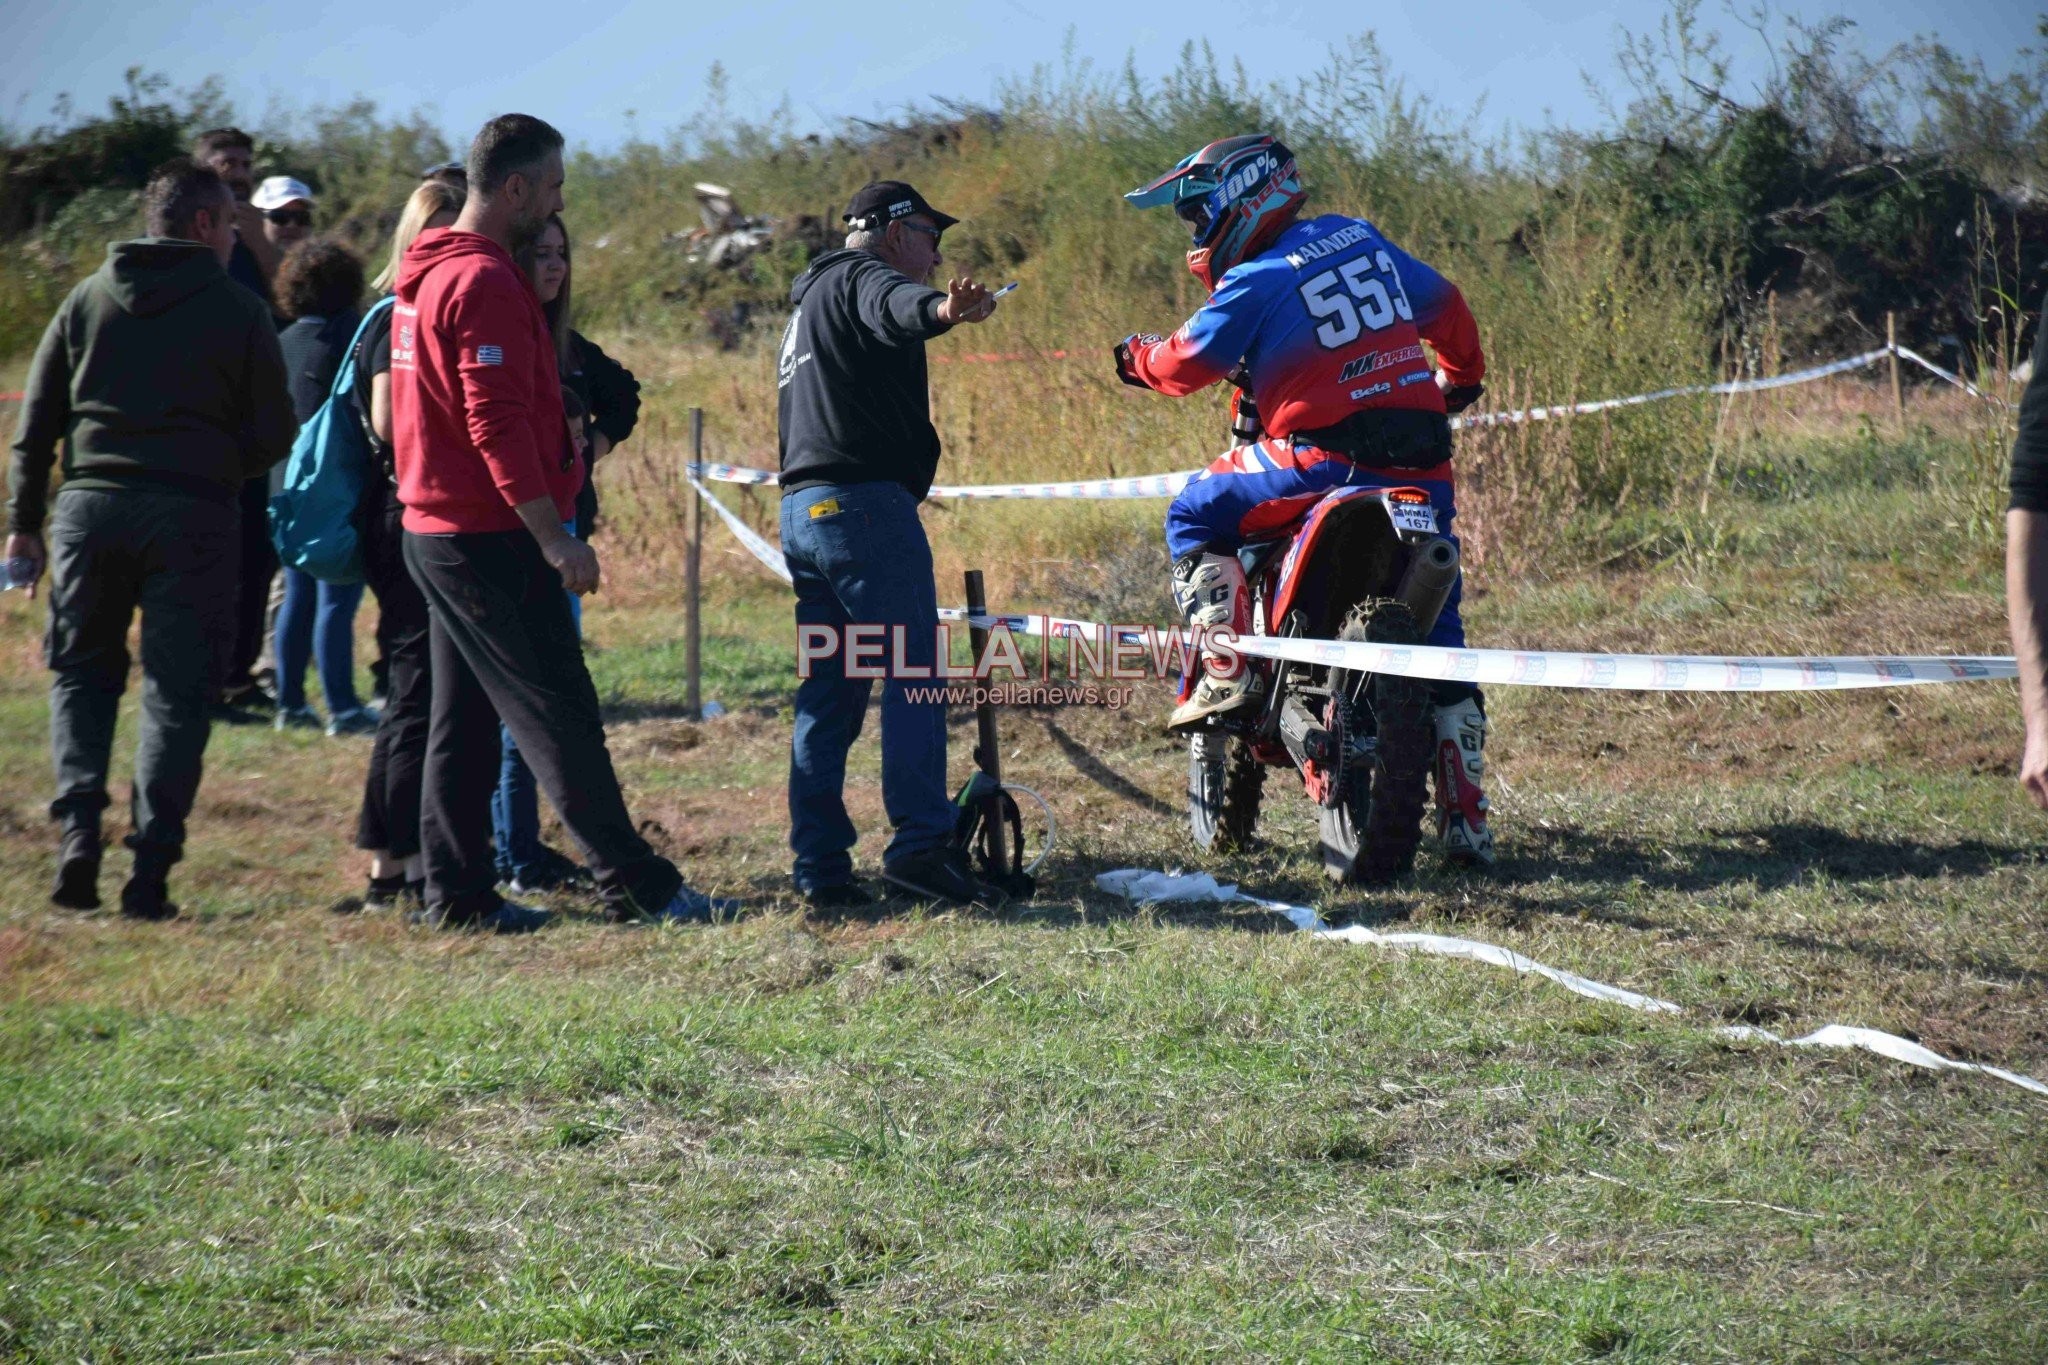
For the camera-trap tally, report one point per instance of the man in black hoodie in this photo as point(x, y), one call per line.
point(858, 455)
point(165, 384)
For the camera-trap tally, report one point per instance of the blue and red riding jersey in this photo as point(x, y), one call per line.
point(1328, 320)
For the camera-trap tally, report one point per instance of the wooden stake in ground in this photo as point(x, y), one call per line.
point(692, 570)
point(1891, 341)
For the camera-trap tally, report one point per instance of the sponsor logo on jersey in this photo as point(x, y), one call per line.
point(1360, 395)
point(1415, 378)
point(1377, 360)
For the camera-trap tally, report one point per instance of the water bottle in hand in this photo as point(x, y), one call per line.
point(22, 572)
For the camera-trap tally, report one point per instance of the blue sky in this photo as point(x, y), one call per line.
point(597, 69)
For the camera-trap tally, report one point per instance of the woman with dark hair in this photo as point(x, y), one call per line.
point(319, 287)
point(602, 400)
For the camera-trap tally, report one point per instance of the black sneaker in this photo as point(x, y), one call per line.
point(147, 898)
point(384, 893)
point(838, 896)
point(78, 871)
point(940, 874)
point(509, 917)
point(549, 870)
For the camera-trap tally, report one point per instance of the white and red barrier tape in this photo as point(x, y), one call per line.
point(1166, 485)
point(1137, 884)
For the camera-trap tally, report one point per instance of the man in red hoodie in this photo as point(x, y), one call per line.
point(488, 479)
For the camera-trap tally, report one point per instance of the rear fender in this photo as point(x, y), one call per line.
point(1360, 513)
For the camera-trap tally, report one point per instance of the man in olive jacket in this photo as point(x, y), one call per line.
point(164, 383)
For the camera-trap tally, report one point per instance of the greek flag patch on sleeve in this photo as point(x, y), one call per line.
point(490, 355)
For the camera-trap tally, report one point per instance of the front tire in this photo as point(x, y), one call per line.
point(1371, 835)
point(1224, 786)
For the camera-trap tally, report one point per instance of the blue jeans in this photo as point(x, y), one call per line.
point(858, 555)
point(317, 622)
point(515, 805)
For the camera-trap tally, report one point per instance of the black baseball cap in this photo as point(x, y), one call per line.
point(881, 202)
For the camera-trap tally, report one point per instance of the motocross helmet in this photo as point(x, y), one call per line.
point(1235, 195)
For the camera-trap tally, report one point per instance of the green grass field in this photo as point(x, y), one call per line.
point(1072, 1129)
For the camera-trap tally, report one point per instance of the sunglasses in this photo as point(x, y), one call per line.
point(290, 217)
point(445, 169)
point(931, 232)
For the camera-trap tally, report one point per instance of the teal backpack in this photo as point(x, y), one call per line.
point(313, 517)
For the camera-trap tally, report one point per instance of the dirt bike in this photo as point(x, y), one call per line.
point(1363, 564)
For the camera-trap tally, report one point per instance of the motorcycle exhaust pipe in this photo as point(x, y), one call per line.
point(1432, 570)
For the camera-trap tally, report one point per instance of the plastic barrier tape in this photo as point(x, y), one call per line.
point(1540, 668)
point(1505, 667)
point(745, 534)
point(1167, 485)
point(1137, 884)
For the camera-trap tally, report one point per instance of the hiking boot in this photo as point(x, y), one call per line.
point(509, 917)
point(837, 896)
point(357, 720)
point(940, 874)
point(78, 870)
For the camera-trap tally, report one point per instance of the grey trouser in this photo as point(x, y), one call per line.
point(175, 556)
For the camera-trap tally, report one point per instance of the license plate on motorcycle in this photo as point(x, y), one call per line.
point(1411, 511)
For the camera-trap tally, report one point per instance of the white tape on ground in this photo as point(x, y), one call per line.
point(1140, 885)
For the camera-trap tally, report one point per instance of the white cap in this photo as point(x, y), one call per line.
point(277, 191)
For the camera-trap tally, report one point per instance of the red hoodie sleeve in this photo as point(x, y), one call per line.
point(1455, 335)
point(496, 361)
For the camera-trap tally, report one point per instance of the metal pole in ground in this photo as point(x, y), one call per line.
point(988, 749)
point(1891, 341)
point(692, 574)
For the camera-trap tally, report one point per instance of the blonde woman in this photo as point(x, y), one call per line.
point(389, 825)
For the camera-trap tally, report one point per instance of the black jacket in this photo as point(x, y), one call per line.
point(157, 371)
point(2030, 451)
point(313, 347)
point(609, 396)
point(854, 406)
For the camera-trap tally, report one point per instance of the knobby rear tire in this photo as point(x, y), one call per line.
point(1371, 835)
point(1223, 793)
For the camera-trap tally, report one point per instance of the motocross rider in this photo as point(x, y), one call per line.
point(1326, 317)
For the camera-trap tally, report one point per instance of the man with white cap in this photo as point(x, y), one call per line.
point(287, 208)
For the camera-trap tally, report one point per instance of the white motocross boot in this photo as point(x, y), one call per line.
point(1210, 591)
point(1460, 764)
